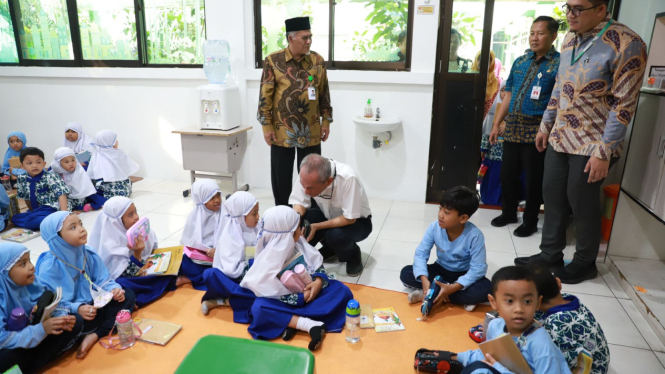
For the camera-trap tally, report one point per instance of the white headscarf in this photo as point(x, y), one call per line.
point(78, 182)
point(108, 236)
point(83, 143)
point(108, 163)
point(201, 227)
point(274, 247)
point(235, 234)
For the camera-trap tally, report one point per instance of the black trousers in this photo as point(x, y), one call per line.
point(565, 189)
point(281, 169)
point(104, 322)
point(29, 360)
point(518, 157)
point(342, 240)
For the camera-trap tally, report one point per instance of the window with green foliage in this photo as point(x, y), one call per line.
point(114, 33)
point(371, 30)
point(175, 31)
point(365, 34)
point(8, 51)
point(273, 30)
point(108, 29)
point(44, 30)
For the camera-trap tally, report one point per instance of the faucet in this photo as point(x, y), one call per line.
point(378, 114)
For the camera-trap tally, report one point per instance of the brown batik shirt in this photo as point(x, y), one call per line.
point(284, 103)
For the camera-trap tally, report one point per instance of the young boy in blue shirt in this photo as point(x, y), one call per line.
point(515, 296)
point(44, 192)
point(461, 255)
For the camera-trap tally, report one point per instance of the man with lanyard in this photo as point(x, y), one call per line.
point(331, 198)
point(294, 105)
point(528, 91)
point(594, 99)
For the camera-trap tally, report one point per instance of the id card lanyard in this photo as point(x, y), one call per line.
point(574, 59)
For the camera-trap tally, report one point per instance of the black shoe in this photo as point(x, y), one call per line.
point(288, 334)
point(524, 230)
point(328, 254)
point(355, 265)
point(538, 259)
point(575, 273)
point(503, 220)
point(317, 333)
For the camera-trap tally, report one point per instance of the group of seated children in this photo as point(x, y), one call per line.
point(67, 185)
point(570, 337)
point(227, 231)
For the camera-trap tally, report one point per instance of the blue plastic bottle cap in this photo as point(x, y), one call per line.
point(353, 308)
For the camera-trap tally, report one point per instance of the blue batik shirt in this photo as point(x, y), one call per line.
point(525, 114)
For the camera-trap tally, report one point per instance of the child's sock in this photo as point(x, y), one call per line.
point(469, 307)
point(208, 305)
point(415, 296)
point(305, 324)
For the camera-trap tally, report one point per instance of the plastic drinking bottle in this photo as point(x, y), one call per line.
point(353, 321)
point(125, 331)
point(432, 293)
point(18, 320)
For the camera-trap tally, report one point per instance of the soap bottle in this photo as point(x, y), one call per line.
point(369, 113)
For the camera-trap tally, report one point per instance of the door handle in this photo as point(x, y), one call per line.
point(660, 151)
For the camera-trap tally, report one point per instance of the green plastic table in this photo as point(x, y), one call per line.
point(214, 353)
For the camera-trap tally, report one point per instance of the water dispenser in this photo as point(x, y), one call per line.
point(220, 103)
point(220, 107)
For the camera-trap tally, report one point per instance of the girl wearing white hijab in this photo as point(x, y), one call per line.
point(237, 227)
point(110, 167)
point(201, 227)
point(125, 263)
point(82, 194)
point(200, 230)
point(276, 311)
point(76, 139)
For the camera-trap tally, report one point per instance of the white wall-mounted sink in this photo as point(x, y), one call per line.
point(375, 127)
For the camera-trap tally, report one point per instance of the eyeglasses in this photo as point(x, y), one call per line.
point(575, 11)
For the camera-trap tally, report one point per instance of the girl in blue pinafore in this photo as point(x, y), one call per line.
point(201, 228)
point(110, 167)
point(125, 264)
point(276, 311)
point(238, 221)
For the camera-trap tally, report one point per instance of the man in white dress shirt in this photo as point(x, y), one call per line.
point(331, 197)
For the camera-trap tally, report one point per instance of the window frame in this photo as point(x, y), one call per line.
point(78, 61)
point(17, 39)
point(330, 63)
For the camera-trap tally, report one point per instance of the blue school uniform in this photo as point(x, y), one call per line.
point(275, 307)
point(146, 288)
point(540, 353)
point(4, 208)
point(12, 153)
point(270, 317)
point(462, 260)
point(74, 269)
point(30, 347)
point(42, 191)
point(222, 287)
